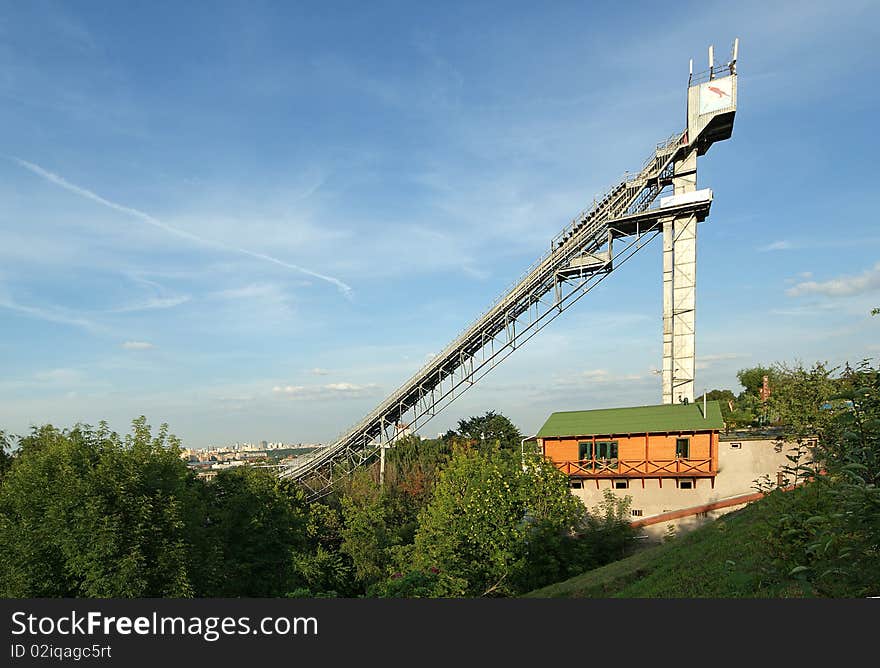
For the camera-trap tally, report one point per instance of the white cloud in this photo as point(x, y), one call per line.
point(138, 345)
point(343, 387)
point(714, 357)
point(152, 304)
point(329, 391)
point(248, 291)
point(62, 376)
point(288, 389)
point(808, 309)
point(776, 246)
point(155, 222)
point(843, 286)
point(317, 371)
point(597, 376)
point(49, 314)
point(707, 361)
point(802, 276)
point(263, 303)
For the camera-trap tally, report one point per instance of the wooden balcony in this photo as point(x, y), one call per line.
point(637, 468)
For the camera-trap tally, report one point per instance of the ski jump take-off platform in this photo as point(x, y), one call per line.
point(596, 243)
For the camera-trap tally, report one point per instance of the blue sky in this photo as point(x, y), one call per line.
point(204, 205)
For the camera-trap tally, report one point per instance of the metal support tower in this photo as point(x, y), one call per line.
point(711, 107)
point(679, 290)
point(598, 241)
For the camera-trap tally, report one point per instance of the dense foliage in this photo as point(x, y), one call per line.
point(5, 456)
point(832, 541)
point(746, 409)
point(492, 429)
point(820, 538)
point(85, 512)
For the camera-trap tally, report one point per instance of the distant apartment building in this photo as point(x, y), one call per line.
point(222, 466)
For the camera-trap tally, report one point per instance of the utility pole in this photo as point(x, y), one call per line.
point(382, 448)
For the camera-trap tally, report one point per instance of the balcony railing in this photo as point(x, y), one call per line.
point(611, 468)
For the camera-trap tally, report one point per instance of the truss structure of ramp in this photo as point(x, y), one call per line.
point(596, 243)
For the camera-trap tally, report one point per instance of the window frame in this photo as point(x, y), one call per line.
point(610, 448)
point(687, 447)
point(585, 448)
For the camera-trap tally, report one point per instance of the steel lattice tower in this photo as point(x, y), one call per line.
point(599, 240)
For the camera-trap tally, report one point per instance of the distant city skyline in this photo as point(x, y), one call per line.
point(245, 220)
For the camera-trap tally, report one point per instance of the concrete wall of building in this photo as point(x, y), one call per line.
point(738, 469)
point(657, 533)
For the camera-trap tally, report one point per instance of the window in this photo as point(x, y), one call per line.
point(585, 450)
point(606, 449)
point(621, 484)
point(736, 445)
point(576, 484)
point(637, 512)
point(682, 447)
point(685, 484)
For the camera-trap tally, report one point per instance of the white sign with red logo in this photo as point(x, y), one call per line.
point(716, 94)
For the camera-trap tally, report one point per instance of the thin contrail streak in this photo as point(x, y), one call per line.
point(150, 220)
point(50, 315)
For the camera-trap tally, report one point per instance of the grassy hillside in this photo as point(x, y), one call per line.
point(735, 556)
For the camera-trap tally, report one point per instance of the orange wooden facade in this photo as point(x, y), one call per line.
point(653, 455)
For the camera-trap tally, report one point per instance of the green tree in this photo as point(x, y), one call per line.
point(490, 517)
point(723, 397)
point(85, 513)
point(324, 569)
point(490, 429)
point(257, 523)
point(752, 379)
point(412, 468)
point(471, 528)
point(829, 537)
point(736, 411)
point(801, 398)
point(558, 539)
point(416, 583)
point(368, 528)
point(5, 452)
point(853, 436)
point(746, 411)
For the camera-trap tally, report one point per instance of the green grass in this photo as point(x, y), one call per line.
point(728, 558)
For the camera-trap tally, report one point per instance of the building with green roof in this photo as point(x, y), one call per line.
point(667, 461)
point(677, 441)
point(637, 420)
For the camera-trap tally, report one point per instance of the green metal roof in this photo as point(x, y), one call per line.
point(637, 420)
